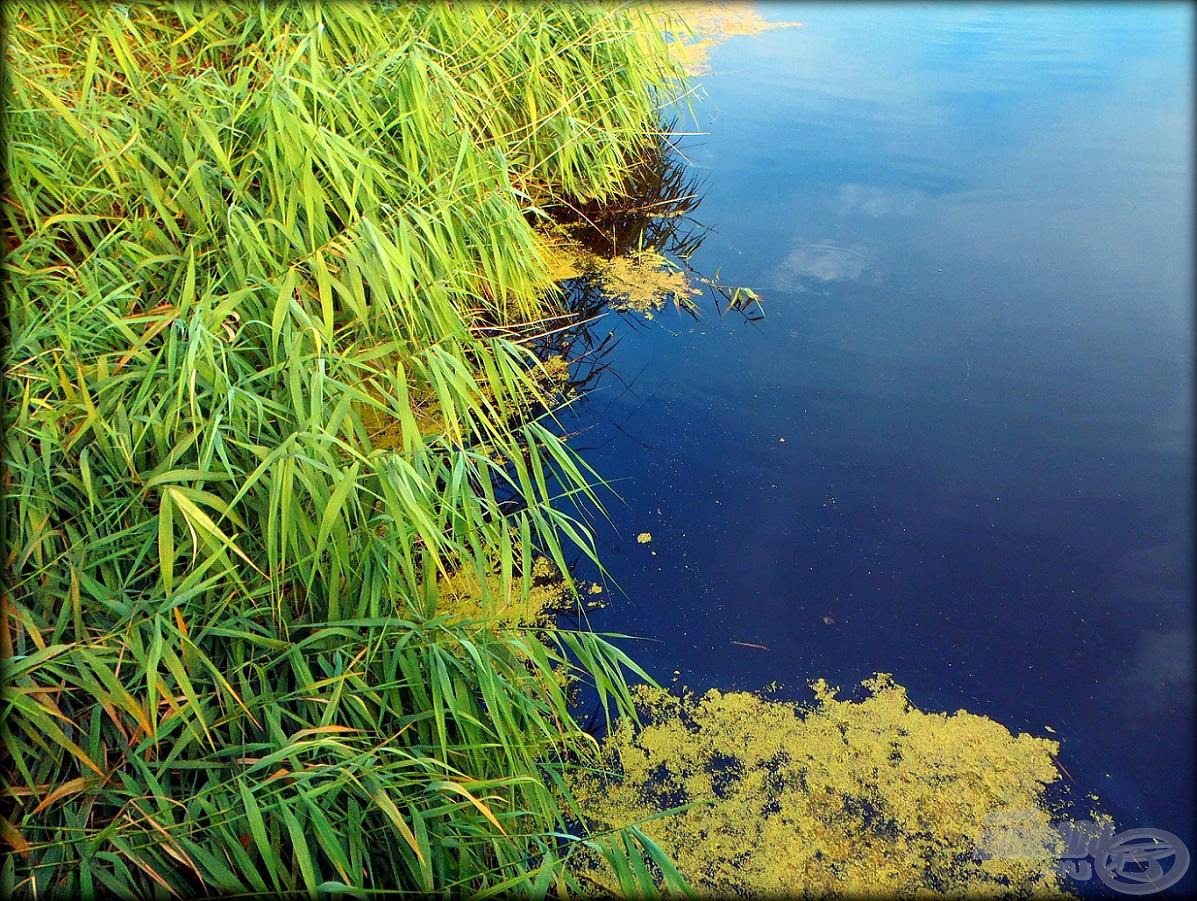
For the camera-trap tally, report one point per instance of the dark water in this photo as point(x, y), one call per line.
point(963, 432)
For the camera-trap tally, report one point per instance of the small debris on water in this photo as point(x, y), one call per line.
point(827, 620)
point(644, 537)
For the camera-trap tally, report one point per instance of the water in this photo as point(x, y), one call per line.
point(972, 225)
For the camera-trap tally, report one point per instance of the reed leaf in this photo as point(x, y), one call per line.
point(251, 423)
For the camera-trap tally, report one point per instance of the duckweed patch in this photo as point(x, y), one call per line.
point(838, 796)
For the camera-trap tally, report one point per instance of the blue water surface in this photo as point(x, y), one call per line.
point(958, 448)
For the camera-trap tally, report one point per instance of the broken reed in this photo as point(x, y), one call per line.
point(238, 238)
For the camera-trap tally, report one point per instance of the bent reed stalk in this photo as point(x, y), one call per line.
point(242, 241)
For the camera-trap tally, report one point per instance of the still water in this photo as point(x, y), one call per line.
point(958, 447)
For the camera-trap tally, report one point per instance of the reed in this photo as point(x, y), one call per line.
point(244, 241)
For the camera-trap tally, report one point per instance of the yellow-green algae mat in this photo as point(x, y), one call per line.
point(835, 797)
point(706, 24)
point(642, 280)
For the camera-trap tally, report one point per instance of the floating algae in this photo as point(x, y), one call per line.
point(641, 280)
point(387, 431)
point(708, 25)
point(564, 257)
point(554, 373)
point(464, 597)
point(867, 797)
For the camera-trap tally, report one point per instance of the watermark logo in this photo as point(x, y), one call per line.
point(1134, 862)
point(1142, 861)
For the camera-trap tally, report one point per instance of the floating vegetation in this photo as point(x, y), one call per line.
point(644, 537)
point(840, 797)
point(555, 372)
point(462, 595)
point(642, 280)
point(564, 256)
point(708, 24)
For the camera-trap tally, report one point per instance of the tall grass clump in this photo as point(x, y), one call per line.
point(268, 268)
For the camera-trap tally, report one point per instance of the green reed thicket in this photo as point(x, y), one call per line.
point(242, 240)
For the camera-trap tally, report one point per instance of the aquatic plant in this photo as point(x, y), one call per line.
point(867, 797)
point(271, 282)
